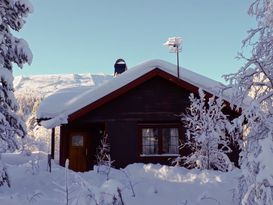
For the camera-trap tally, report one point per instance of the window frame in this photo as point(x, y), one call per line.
point(77, 140)
point(159, 126)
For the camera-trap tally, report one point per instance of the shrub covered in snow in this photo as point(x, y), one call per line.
point(207, 134)
point(103, 156)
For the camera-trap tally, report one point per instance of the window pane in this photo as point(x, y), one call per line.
point(149, 141)
point(77, 141)
point(170, 139)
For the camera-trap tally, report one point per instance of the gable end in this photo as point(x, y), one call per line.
point(122, 90)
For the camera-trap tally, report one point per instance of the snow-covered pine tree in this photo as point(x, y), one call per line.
point(36, 138)
point(255, 79)
point(207, 135)
point(12, 50)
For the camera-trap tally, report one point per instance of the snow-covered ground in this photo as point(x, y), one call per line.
point(31, 183)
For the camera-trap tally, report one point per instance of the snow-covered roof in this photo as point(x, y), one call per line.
point(61, 104)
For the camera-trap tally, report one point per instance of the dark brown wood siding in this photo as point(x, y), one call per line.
point(155, 101)
point(123, 140)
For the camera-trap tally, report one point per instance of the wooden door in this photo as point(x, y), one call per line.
point(78, 151)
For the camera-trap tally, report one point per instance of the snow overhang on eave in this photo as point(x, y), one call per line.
point(50, 123)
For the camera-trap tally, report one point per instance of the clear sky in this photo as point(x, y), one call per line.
point(68, 36)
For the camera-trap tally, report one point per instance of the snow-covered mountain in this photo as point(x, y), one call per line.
point(47, 84)
point(31, 90)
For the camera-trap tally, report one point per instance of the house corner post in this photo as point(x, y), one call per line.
point(52, 142)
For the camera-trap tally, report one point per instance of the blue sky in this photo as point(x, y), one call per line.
point(68, 36)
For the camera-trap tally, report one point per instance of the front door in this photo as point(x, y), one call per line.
point(78, 151)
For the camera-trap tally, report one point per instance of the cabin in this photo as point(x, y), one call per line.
point(139, 110)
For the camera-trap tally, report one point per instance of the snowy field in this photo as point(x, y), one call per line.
point(31, 183)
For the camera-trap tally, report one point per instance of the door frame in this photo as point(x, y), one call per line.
point(84, 152)
point(92, 130)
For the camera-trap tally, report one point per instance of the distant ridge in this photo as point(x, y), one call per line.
point(47, 84)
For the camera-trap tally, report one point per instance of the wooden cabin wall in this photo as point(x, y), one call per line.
point(155, 101)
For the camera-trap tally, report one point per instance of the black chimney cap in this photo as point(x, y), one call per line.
point(120, 66)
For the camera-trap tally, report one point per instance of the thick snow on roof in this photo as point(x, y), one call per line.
point(65, 102)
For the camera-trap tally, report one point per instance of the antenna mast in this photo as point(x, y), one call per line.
point(175, 46)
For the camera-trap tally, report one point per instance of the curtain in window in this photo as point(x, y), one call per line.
point(149, 141)
point(170, 139)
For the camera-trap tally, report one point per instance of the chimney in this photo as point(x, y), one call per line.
point(120, 67)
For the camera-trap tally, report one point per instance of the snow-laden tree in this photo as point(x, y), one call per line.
point(255, 79)
point(37, 137)
point(255, 184)
point(12, 50)
point(207, 134)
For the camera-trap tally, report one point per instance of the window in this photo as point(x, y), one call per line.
point(170, 139)
point(159, 139)
point(77, 141)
